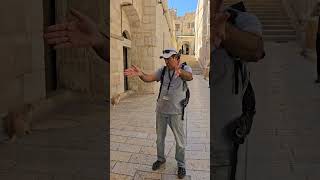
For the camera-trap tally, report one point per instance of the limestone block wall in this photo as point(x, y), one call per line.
point(149, 34)
point(119, 23)
point(190, 40)
point(188, 24)
point(186, 33)
point(22, 69)
point(202, 47)
point(81, 69)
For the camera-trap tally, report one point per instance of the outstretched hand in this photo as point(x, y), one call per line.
point(79, 31)
point(133, 71)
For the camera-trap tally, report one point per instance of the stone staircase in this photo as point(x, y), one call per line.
point(193, 63)
point(277, 25)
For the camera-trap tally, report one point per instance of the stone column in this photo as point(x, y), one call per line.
point(146, 44)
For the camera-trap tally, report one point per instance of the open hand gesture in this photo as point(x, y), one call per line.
point(81, 31)
point(133, 71)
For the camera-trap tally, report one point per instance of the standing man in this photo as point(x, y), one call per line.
point(229, 81)
point(169, 104)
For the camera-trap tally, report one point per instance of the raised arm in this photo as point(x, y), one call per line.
point(185, 75)
point(136, 71)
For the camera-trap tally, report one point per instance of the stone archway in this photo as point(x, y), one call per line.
point(129, 39)
point(185, 48)
point(132, 14)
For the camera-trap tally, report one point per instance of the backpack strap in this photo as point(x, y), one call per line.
point(185, 86)
point(161, 80)
point(238, 68)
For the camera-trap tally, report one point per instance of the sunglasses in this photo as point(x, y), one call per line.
point(167, 59)
point(168, 51)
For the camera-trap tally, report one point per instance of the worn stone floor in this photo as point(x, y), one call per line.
point(133, 137)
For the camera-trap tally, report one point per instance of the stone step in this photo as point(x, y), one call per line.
point(196, 69)
point(270, 14)
point(279, 32)
point(265, 15)
point(273, 18)
point(266, 11)
point(264, 8)
point(279, 38)
point(258, 4)
point(196, 72)
point(275, 22)
point(278, 26)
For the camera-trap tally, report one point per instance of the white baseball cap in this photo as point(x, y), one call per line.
point(166, 53)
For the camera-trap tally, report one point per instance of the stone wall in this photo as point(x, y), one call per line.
point(149, 31)
point(81, 69)
point(185, 33)
point(202, 33)
point(22, 68)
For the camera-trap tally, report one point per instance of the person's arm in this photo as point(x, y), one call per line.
point(136, 71)
point(148, 77)
point(185, 75)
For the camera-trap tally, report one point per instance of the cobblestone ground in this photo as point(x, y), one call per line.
point(66, 145)
point(284, 142)
point(133, 137)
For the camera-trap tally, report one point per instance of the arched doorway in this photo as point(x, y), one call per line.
point(185, 49)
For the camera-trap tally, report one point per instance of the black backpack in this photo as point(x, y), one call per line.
point(185, 101)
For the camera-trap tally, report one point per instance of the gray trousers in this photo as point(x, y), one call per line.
point(176, 124)
point(225, 107)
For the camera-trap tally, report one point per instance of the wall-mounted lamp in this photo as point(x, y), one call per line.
point(159, 1)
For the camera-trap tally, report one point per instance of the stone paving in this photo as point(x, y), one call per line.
point(284, 142)
point(133, 137)
point(66, 144)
